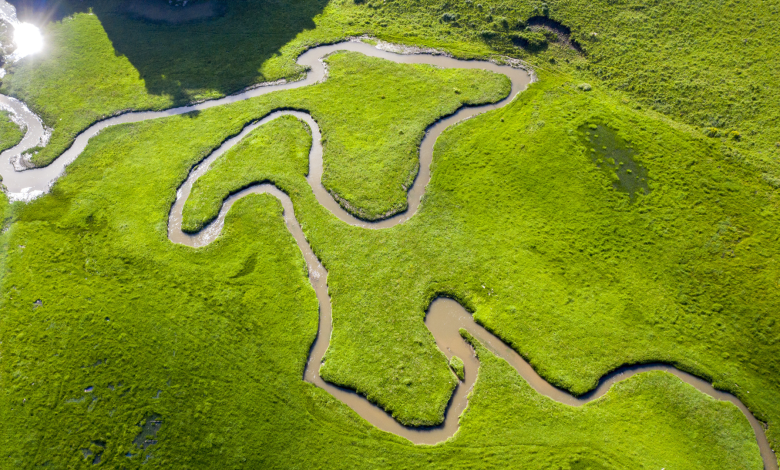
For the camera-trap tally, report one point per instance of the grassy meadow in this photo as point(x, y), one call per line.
point(530, 221)
point(106, 323)
point(624, 282)
point(369, 158)
point(10, 133)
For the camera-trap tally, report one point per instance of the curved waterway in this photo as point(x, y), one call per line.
point(444, 318)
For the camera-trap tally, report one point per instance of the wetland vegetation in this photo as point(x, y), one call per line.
point(529, 220)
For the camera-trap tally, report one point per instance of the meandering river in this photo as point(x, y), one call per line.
point(444, 318)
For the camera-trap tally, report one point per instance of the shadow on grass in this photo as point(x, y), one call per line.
point(179, 51)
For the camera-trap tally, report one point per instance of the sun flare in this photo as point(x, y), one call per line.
point(28, 40)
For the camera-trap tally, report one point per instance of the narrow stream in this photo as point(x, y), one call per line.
point(444, 318)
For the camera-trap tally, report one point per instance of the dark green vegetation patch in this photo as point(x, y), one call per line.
point(615, 156)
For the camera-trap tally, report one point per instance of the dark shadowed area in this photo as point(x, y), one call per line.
point(208, 44)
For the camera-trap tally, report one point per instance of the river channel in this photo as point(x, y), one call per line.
point(444, 318)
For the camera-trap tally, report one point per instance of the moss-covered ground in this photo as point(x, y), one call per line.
point(10, 132)
point(518, 222)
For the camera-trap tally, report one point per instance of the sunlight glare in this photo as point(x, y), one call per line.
point(28, 40)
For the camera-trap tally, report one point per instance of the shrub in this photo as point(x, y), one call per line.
point(772, 180)
point(551, 36)
point(488, 34)
point(532, 40)
point(447, 17)
point(712, 132)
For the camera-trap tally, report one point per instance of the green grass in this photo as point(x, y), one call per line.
point(576, 277)
point(518, 204)
point(370, 158)
point(456, 364)
point(278, 147)
point(630, 409)
point(98, 61)
point(109, 62)
point(684, 275)
point(99, 82)
point(217, 350)
point(710, 75)
point(10, 133)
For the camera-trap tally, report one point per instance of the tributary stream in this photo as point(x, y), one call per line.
point(444, 318)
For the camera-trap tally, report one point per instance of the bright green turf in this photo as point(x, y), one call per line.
point(606, 422)
point(694, 319)
point(666, 278)
point(580, 279)
point(278, 147)
point(217, 350)
point(370, 157)
point(96, 65)
point(10, 133)
point(110, 63)
point(456, 364)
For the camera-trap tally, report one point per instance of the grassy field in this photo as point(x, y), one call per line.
point(521, 223)
point(677, 59)
point(683, 274)
point(106, 62)
point(370, 158)
point(10, 133)
point(278, 147)
point(130, 326)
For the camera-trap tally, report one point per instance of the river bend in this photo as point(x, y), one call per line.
point(444, 318)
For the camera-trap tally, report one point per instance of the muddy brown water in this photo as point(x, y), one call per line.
point(444, 318)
